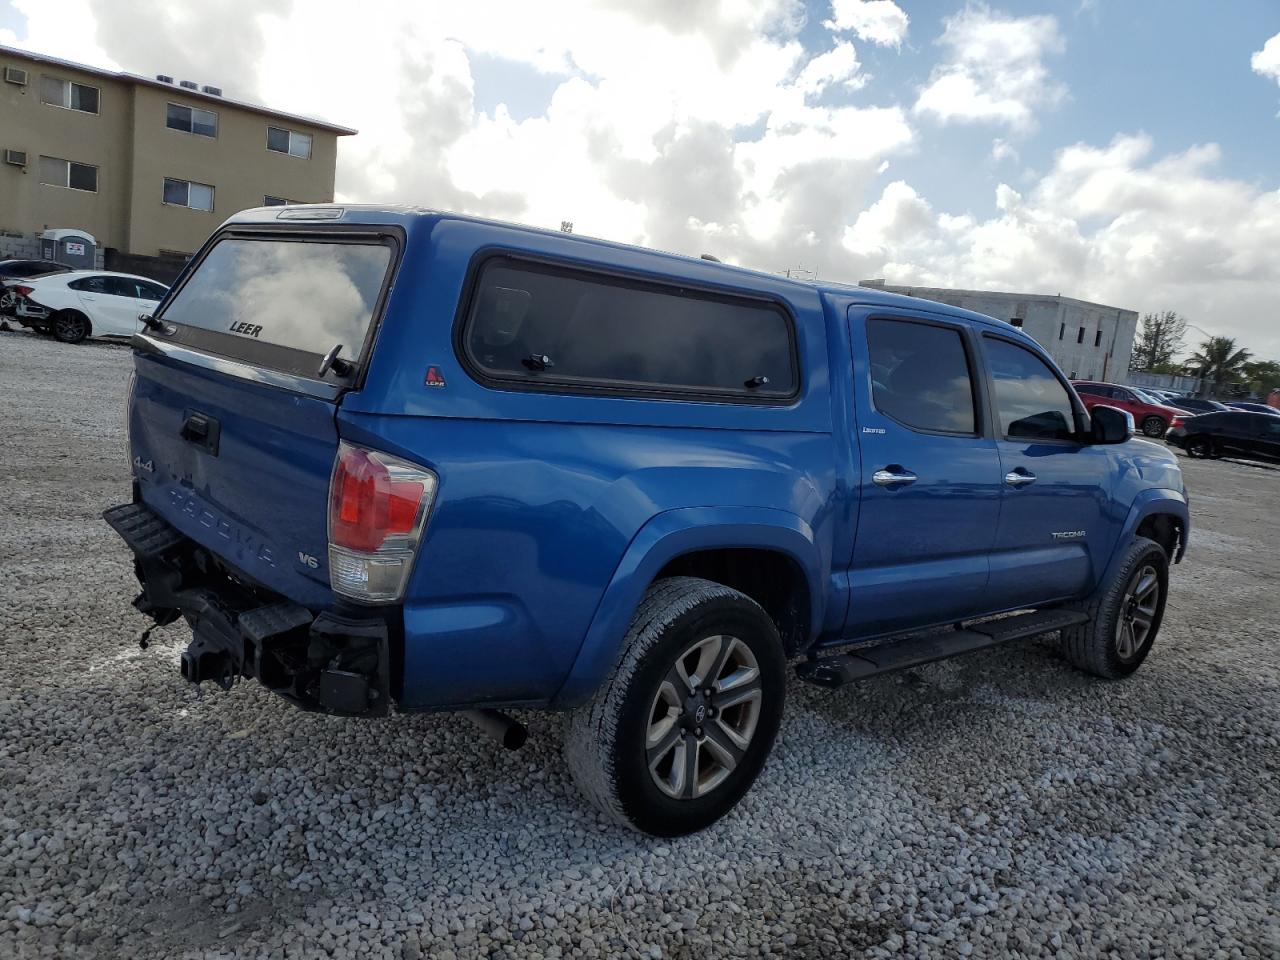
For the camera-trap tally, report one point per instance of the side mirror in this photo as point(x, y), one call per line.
point(1110, 425)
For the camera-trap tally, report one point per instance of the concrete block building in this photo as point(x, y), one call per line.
point(1089, 341)
point(146, 165)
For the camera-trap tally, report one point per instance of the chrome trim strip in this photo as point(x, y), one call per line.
point(233, 368)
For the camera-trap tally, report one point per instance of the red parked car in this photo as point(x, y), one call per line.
point(1153, 419)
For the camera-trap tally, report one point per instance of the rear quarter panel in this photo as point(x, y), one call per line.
point(541, 493)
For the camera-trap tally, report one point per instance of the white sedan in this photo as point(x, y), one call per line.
point(86, 303)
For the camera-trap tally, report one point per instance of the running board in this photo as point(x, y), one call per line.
point(842, 668)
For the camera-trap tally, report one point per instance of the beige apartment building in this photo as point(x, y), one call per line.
point(148, 166)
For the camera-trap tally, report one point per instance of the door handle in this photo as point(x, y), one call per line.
point(893, 476)
point(1019, 477)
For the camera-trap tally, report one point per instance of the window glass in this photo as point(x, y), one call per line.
point(300, 145)
point(53, 171)
point(1031, 402)
point(84, 98)
point(274, 202)
point(122, 287)
point(90, 285)
point(53, 90)
point(307, 296)
point(1091, 389)
point(175, 191)
point(277, 139)
point(191, 120)
point(617, 333)
point(82, 176)
point(920, 376)
point(200, 196)
point(151, 291)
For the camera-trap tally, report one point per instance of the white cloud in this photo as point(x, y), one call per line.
point(837, 66)
point(1267, 60)
point(1002, 150)
point(877, 21)
point(1111, 224)
point(994, 70)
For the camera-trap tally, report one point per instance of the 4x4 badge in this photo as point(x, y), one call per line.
point(434, 377)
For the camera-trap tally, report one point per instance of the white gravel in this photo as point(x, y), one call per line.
point(998, 805)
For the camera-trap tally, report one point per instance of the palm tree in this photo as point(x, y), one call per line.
point(1218, 361)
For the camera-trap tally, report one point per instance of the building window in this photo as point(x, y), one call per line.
point(1016, 321)
point(203, 123)
point(1062, 330)
point(181, 193)
point(70, 96)
point(57, 172)
point(1080, 336)
point(1097, 338)
point(291, 142)
point(276, 202)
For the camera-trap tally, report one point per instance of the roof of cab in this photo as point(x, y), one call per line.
point(404, 213)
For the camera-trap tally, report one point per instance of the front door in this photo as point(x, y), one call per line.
point(930, 477)
point(1055, 532)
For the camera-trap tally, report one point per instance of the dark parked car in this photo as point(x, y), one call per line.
point(12, 271)
point(1234, 433)
point(1253, 407)
point(1153, 419)
point(1196, 405)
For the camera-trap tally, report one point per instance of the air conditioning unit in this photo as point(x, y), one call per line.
point(16, 157)
point(164, 78)
point(188, 85)
point(212, 91)
point(15, 75)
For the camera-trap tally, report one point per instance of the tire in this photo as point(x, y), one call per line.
point(1200, 448)
point(69, 326)
point(1125, 615)
point(1154, 426)
point(607, 744)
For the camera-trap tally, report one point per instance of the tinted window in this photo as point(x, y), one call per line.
point(920, 376)
point(616, 333)
point(1092, 390)
point(151, 291)
point(122, 287)
point(300, 295)
point(89, 285)
point(1031, 402)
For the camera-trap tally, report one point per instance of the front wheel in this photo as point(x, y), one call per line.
point(1125, 614)
point(678, 734)
point(1154, 427)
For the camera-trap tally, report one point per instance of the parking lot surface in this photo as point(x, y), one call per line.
point(1000, 804)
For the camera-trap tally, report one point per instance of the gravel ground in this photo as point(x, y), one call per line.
point(997, 805)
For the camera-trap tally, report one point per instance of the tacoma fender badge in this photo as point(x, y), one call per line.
point(1068, 534)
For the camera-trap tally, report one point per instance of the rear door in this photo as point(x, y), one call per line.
point(930, 485)
point(100, 303)
point(232, 428)
point(1267, 428)
point(1055, 529)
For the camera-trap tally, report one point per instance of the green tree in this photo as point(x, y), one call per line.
point(1262, 376)
point(1219, 362)
point(1159, 340)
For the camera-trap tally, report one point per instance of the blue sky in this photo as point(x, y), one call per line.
point(1122, 151)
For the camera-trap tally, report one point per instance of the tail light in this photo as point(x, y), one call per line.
point(1176, 422)
point(378, 506)
point(22, 291)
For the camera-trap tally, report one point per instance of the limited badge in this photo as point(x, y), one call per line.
point(434, 377)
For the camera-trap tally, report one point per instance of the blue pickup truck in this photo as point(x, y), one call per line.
point(395, 459)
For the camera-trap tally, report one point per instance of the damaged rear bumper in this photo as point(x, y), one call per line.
point(327, 662)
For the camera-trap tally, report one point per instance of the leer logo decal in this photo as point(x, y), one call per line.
point(434, 377)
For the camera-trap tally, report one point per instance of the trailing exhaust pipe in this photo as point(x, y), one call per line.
point(511, 733)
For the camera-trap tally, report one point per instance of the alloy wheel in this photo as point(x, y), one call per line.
point(69, 328)
point(1137, 612)
point(703, 717)
point(1153, 427)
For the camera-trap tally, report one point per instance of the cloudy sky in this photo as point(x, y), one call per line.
point(1113, 150)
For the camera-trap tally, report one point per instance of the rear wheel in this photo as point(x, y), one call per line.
point(1200, 447)
point(69, 326)
point(1154, 426)
point(678, 734)
point(1125, 615)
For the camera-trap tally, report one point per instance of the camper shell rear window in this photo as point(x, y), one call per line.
point(547, 326)
point(283, 301)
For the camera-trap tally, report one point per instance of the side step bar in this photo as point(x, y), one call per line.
point(842, 668)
